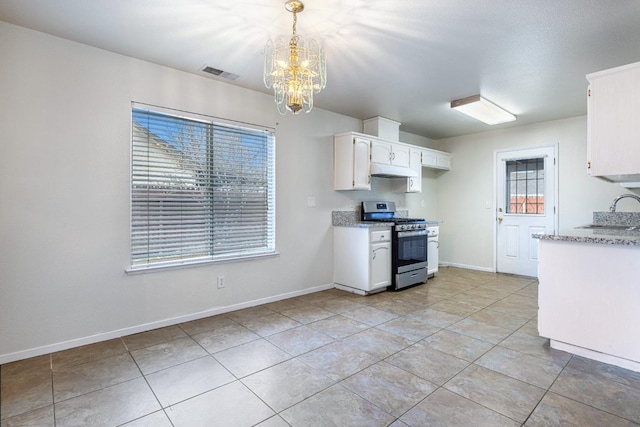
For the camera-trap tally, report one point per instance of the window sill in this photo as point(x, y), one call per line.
point(198, 263)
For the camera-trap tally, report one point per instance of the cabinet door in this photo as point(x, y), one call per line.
point(351, 167)
point(380, 264)
point(400, 155)
point(443, 160)
point(414, 184)
point(432, 255)
point(429, 158)
point(380, 152)
point(361, 169)
point(614, 122)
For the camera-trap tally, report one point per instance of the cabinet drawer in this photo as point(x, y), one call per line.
point(380, 236)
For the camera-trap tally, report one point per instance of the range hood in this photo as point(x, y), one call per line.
point(391, 171)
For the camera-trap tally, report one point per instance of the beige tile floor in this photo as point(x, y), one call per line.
point(461, 350)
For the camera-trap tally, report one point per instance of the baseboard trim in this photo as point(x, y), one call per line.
point(65, 345)
point(468, 267)
point(596, 355)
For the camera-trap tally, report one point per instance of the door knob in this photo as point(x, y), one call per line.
point(500, 219)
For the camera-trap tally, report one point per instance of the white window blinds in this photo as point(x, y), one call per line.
point(201, 190)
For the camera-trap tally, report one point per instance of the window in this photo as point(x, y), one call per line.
point(202, 189)
point(525, 186)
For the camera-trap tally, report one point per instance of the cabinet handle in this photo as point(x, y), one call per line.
point(393, 156)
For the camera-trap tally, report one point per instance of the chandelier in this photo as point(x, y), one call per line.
point(294, 68)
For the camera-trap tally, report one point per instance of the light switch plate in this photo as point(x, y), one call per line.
point(311, 202)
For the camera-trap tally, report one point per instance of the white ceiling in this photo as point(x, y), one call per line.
point(404, 60)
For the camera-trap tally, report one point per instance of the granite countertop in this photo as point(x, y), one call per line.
point(619, 234)
point(597, 236)
point(365, 224)
point(352, 219)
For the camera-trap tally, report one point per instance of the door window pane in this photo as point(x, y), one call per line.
point(525, 186)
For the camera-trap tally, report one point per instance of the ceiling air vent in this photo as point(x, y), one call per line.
point(219, 73)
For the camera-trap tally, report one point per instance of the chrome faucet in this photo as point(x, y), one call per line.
point(612, 208)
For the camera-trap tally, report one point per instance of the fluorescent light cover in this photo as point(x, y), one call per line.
point(483, 110)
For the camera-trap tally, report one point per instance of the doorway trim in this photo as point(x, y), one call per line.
point(556, 207)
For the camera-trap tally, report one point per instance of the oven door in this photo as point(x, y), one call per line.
point(410, 250)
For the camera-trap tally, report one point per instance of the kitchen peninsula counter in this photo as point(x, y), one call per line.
point(589, 293)
point(595, 235)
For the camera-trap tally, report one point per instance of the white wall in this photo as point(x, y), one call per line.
point(64, 195)
point(65, 113)
point(466, 235)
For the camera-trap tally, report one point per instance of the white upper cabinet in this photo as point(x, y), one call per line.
point(443, 160)
point(387, 153)
point(436, 159)
point(381, 152)
point(357, 154)
point(351, 163)
point(429, 158)
point(613, 125)
point(414, 184)
point(400, 155)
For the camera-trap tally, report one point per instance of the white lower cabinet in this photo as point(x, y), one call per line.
point(362, 259)
point(433, 249)
point(588, 300)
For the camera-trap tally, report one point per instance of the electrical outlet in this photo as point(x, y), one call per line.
point(221, 282)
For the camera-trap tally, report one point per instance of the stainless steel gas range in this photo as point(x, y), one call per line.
point(408, 244)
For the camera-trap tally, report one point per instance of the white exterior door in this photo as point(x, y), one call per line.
point(526, 200)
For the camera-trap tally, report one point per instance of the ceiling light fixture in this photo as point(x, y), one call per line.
point(294, 68)
point(483, 110)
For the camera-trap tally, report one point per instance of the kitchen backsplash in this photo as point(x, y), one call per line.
point(616, 218)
